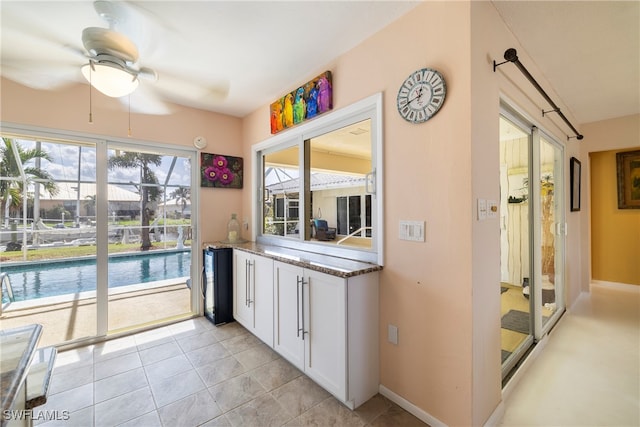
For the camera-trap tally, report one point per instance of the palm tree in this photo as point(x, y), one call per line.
point(182, 196)
point(90, 205)
point(11, 191)
point(142, 161)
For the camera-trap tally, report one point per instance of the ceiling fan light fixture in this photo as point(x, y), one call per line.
point(110, 79)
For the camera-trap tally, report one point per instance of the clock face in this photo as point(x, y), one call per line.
point(421, 95)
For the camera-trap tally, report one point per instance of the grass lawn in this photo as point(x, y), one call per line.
point(77, 251)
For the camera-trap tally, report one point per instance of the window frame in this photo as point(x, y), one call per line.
point(101, 144)
point(367, 108)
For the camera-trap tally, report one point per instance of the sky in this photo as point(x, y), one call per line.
point(66, 157)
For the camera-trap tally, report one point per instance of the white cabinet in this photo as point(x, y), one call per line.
point(253, 294)
point(325, 323)
point(327, 326)
point(288, 325)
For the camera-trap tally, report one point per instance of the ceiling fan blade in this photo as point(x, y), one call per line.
point(182, 91)
point(138, 23)
point(30, 73)
point(146, 101)
point(147, 73)
point(103, 41)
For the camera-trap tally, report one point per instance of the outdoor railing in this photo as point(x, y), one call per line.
point(5, 283)
point(353, 234)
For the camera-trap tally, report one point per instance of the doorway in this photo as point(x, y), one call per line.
point(532, 232)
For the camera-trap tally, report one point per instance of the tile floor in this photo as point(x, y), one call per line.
point(193, 373)
point(588, 374)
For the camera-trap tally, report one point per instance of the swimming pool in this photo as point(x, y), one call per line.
point(46, 279)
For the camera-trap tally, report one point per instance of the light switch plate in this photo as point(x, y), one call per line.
point(393, 334)
point(411, 230)
point(482, 209)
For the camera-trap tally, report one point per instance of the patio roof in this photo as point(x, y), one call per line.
point(68, 191)
point(319, 181)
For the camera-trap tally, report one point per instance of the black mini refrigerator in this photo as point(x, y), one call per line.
point(218, 285)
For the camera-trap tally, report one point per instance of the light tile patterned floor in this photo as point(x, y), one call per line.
point(191, 374)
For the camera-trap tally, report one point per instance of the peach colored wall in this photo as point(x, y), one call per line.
point(489, 40)
point(442, 294)
point(68, 110)
point(425, 287)
point(485, 173)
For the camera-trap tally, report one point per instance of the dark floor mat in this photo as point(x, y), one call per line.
point(516, 320)
point(548, 296)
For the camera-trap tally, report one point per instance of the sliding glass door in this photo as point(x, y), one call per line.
point(149, 199)
point(549, 241)
point(48, 236)
point(532, 236)
point(516, 225)
point(96, 236)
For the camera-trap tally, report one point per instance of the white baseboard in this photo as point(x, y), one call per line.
point(411, 408)
point(628, 287)
point(496, 416)
point(571, 309)
point(524, 367)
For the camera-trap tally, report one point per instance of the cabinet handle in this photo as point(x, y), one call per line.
point(298, 306)
point(302, 303)
point(246, 282)
point(302, 283)
point(251, 271)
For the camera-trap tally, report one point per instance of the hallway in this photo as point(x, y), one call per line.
point(589, 372)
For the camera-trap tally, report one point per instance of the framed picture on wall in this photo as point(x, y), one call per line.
point(220, 171)
point(575, 169)
point(628, 171)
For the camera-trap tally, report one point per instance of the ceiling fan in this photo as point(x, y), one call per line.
point(113, 67)
point(113, 57)
point(130, 54)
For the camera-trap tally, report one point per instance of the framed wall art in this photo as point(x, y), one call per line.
point(306, 102)
point(628, 171)
point(575, 168)
point(220, 171)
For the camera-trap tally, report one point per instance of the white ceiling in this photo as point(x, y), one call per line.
point(589, 52)
point(257, 49)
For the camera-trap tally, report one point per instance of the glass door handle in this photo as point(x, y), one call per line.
point(370, 182)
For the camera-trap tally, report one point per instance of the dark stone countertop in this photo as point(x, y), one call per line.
point(335, 266)
point(18, 347)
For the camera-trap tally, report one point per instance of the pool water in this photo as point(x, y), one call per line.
point(39, 280)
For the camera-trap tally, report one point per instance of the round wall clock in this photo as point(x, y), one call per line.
point(421, 95)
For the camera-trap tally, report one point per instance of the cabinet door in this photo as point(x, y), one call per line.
point(288, 336)
point(325, 321)
point(262, 297)
point(242, 311)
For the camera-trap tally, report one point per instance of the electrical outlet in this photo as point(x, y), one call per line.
point(492, 209)
point(392, 335)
